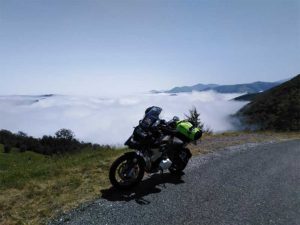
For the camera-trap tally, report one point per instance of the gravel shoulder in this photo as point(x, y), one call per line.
point(256, 183)
point(217, 142)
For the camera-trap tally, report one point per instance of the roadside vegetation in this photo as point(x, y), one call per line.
point(36, 187)
point(62, 142)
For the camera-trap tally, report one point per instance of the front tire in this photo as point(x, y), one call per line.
point(126, 171)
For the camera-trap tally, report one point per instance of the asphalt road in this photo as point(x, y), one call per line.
point(248, 184)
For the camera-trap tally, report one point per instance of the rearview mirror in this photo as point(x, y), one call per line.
point(175, 118)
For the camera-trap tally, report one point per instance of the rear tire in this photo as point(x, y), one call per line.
point(180, 161)
point(126, 160)
point(175, 171)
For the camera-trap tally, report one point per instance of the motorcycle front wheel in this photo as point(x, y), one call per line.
point(126, 171)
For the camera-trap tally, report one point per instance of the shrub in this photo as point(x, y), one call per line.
point(7, 149)
point(207, 130)
point(23, 148)
point(63, 142)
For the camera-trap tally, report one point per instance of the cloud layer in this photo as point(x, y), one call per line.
point(109, 120)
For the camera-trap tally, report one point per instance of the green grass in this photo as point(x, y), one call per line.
point(18, 168)
point(35, 187)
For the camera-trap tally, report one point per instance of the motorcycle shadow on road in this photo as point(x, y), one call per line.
point(154, 184)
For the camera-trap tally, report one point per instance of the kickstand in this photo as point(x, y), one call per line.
point(161, 171)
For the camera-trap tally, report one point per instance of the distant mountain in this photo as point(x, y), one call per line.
point(23, 99)
point(197, 87)
point(254, 87)
point(275, 109)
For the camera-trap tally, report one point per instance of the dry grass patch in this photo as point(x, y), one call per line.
point(210, 143)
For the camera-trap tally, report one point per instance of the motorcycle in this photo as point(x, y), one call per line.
point(159, 145)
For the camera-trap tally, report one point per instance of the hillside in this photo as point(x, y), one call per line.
point(275, 109)
point(254, 87)
point(248, 88)
point(246, 97)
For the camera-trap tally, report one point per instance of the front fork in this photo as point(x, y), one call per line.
point(147, 160)
point(129, 169)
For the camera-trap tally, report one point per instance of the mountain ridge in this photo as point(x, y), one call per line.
point(254, 87)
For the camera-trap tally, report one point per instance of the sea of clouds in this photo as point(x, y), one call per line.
point(109, 120)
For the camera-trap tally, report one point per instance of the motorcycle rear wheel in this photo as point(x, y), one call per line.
point(126, 171)
point(179, 163)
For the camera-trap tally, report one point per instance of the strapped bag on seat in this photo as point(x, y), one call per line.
point(188, 130)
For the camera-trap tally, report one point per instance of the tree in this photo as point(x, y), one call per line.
point(194, 118)
point(65, 134)
point(22, 134)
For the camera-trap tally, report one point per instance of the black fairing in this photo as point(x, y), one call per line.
point(144, 134)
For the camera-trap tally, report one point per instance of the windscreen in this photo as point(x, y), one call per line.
point(151, 116)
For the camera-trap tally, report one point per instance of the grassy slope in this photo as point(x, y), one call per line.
point(35, 187)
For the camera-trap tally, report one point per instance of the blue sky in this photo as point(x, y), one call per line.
point(108, 47)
